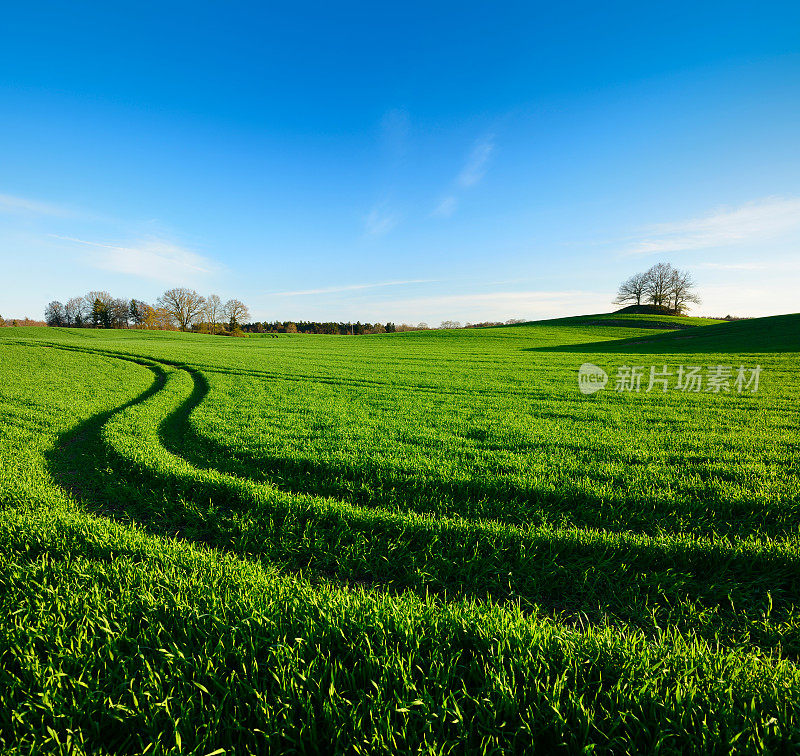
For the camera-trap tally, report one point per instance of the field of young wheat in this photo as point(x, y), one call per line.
point(423, 542)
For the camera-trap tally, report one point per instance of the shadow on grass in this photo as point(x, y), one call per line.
point(590, 576)
point(499, 500)
point(777, 334)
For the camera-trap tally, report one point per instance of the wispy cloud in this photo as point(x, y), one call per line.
point(21, 205)
point(380, 221)
point(475, 167)
point(751, 222)
point(352, 287)
point(470, 175)
point(150, 258)
point(446, 207)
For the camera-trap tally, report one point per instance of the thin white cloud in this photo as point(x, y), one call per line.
point(151, 258)
point(352, 287)
point(752, 222)
point(379, 222)
point(475, 167)
point(446, 207)
point(471, 174)
point(774, 266)
point(21, 205)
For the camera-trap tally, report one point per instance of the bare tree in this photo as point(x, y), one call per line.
point(183, 306)
point(236, 312)
point(450, 324)
point(120, 313)
point(72, 311)
point(659, 279)
point(54, 314)
point(681, 291)
point(212, 312)
point(164, 319)
point(92, 296)
point(662, 285)
point(633, 290)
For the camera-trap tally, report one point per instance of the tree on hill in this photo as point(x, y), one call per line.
point(659, 278)
point(632, 290)
point(681, 291)
point(662, 286)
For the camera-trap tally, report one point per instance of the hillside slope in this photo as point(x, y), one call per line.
point(634, 320)
point(775, 334)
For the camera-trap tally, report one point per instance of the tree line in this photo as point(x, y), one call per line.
point(328, 327)
point(14, 322)
point(331, 328)
point(661, 286)
point(186, 310)
point(176, 309)
point(358, 329)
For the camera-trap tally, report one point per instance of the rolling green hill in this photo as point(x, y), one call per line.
point(424, 542)
point(635, 320)
point(780, 333)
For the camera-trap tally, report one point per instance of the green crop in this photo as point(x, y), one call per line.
point(424, 542)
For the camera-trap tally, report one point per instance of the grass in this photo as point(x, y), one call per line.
point(424, 542)
point(637, 319)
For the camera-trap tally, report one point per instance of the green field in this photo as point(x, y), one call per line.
point(423, 542)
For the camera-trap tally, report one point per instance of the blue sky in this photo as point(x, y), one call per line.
point(414, 162)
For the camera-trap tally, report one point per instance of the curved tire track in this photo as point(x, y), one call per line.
point(589, 574)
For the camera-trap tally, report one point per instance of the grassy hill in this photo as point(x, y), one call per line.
point(776, 334)
point(637, 320)
point(418, 542)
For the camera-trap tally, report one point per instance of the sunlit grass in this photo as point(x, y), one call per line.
point(424, 542)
